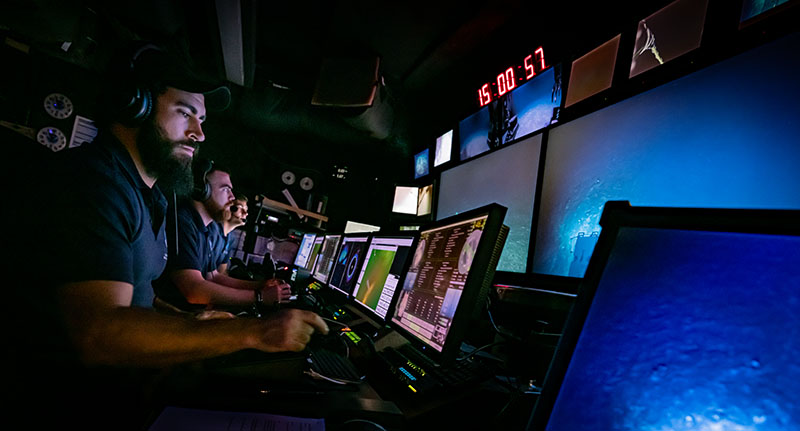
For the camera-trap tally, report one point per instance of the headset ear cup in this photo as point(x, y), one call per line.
point(202, 190)
point(137, 106)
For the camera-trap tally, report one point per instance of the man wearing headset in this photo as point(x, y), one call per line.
point(234, 217)
point(192, 279)
point(105, 237)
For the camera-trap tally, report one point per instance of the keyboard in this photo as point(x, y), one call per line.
point(333, 365)
point(419, 375)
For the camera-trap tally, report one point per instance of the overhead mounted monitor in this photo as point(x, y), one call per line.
point(450, 275)
point(356, 227)
point(531, 107)
point(689, 143)
point(348, 263)
point(405, 200)
point(385, 263)
point(507, 176)
point(421, 164)
point(755, 10)
point(444, 149)
point(593, 72)
point(413, 200)
point(667, 34)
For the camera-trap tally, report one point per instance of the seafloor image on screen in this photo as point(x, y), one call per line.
point(508, 177)
point(667, 34)
point(525, 110)
point(752, 8)
point(593, 72)
point(688, 330)
point(690, 143)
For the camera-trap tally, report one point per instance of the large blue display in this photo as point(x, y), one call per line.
point(723, 137)
point(523, 111)
point(506, 177)
point(688, 330)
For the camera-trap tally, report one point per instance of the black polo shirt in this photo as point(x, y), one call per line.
point(199, 247)
point(109, 223)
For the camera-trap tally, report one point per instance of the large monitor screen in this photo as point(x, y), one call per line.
point(449, 268)
point(326, 258)
point(593, 72)
point(682, 329)
point(532, 106)
point(508, 177)
point(386, 260)
point(425, 200)
point(692, 142)
point(304, 252)
point(348, 263)
point(667, 34)
point(444, 149)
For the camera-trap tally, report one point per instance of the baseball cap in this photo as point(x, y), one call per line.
point(150, 65)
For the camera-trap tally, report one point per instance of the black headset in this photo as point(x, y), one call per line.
point(135, 100)
point(200, 169)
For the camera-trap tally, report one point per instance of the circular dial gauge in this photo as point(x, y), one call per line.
point(58, 106)
point(52, 138)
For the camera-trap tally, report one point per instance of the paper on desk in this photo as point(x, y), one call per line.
point(179, 419)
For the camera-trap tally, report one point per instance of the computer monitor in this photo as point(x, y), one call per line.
point(386, 261)
point(421, 164)
point(683, 144)
point(348, 263)
point(304, 252)
point(450, 274)
point(315, 248)
point(592, 72)
point(667, 34)
point(686, 319)
point(326, 258)
point(444, 148)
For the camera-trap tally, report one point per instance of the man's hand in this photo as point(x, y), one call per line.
point(288, 330)
point(275, 290)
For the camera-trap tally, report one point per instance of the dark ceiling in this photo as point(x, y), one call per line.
point(432, 54)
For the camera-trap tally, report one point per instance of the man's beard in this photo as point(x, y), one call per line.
point(174, 172)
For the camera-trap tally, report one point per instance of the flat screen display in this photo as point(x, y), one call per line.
point(434, 282)
point(421, 164)
point(348, 263)
point(692, 142)
point(508, 177)
point(405, 200)
point(752, 10)
point(312, 258)
point(304, 252)
point(444, 149)
point(593, 72)
point(667, 34)
point(532, 106)
point(326, 258)
point(386, 258)
point(425, 200)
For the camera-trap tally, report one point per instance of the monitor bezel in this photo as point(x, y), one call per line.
point(469, 305)
point(300, 247)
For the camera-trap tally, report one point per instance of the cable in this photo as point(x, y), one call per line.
point(484, 347)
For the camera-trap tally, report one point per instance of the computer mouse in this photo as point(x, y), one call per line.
point(359, 425)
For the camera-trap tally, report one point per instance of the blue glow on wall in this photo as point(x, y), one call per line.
point(723, 137)
point(689, 331)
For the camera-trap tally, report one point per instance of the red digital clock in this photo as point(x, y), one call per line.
point(510, 79)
